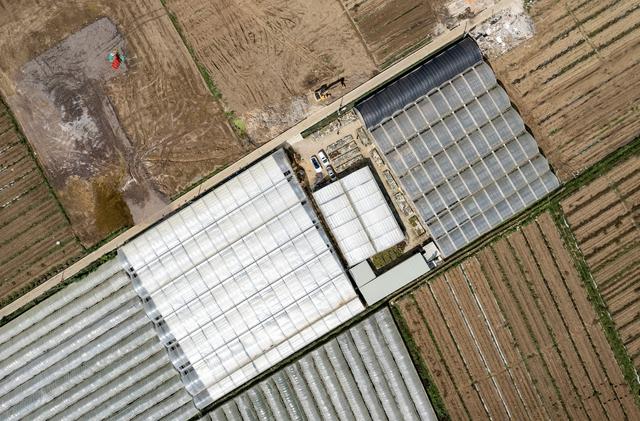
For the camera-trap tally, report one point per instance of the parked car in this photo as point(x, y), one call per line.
point(323, 158)
point(316, 164)
point(332, 173)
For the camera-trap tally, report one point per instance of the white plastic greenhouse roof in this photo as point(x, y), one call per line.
point(365, 373)
point(89, 352)
point(240, 279)
point(358, 216)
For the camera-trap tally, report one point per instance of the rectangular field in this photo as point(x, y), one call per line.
point(605, 219)
point(35, 235)
point(268, 57)
point(577, 81)
point(510, 333)
point(389, 27)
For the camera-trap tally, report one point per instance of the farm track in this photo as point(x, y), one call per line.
point(511, 332)
point(604, 218)
point(31, 221)
point(578, 85)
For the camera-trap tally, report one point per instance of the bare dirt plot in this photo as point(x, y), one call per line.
point(35, 235)
point(516, 318)
point(605, 219)
point(390, 27)
point(162, 128)
point(268, 57)
point(577, 81)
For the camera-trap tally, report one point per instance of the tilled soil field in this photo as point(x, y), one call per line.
point(268, 57)
point(114, 144)
point(390, 27)
point(605, 219)
point(510, 333)
point(577, 81)
point(35, 235)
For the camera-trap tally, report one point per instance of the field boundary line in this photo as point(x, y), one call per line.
point(232, 118)
point(492, 333)
point(516, 342)
point(473, 335)
point(360, 36)
point(602, 310)
point(15, 295)
point(556, 298)
point(525, 320)
point(428, 290)
point(421, 367)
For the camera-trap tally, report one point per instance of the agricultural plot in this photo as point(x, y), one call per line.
point(510, 333)
point(605, 219)
point(268, 57)
point(35, 235)
point(577, 81)
point(390, 27)
point(115, 146)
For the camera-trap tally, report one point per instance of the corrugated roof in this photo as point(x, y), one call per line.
point(429, 75)
point(462, 154)
point(364, 373)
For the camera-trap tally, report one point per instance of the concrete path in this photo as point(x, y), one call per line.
point(292, 133)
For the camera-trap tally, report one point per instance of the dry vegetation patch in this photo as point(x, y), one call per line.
point(268, 57)
point(147, 131)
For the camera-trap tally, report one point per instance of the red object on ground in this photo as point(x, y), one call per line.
point(116, 62)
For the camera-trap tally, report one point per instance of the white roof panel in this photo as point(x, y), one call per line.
point(358, 216)
point(242, 277)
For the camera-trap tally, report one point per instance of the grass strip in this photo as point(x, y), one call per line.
point(237, 124)
point(599, 305)
point(429, 385)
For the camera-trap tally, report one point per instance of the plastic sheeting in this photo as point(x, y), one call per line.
point(365, 374)
point(240, 279)
point(87, 352)
point(358, 216)
point(398, 94)
point(462, 154)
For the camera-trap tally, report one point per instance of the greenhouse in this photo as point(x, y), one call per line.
point(364, 373)
point(460, 150)
point(240, 279)
point(358, 216)
point(89, 352)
